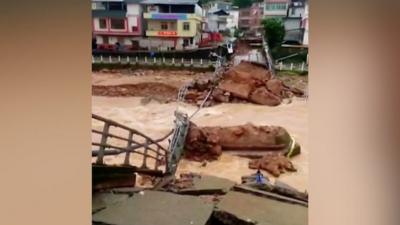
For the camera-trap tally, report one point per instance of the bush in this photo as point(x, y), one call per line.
point(274, 31)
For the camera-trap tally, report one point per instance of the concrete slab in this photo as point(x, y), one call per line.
point(263, 211)
point(209, 185)
point(101, 200)
point(156, 208)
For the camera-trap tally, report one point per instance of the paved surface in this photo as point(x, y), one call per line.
point(210, 183)
point(156, 208)
point(264, 211)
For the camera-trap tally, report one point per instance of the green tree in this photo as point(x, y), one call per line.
point(274, 31)
point(236, 32)
point(242, 3)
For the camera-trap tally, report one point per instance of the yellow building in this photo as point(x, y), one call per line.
point(171, 25)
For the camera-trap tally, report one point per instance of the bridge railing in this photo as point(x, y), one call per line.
point(135, 148)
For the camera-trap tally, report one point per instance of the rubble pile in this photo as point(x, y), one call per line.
point(207, 143)
point(245, 82)
point(273, 162)
point(185, 181)
point(278, 187)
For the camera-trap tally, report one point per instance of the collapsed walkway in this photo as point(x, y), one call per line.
point(207, 200)
point(210, 196)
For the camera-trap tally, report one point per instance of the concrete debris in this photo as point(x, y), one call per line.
point(244, 208)
point(245, 82)
point(207, 143)
point(269, 194)
point(273, 162)
point(196, 184)
point(278, 187)
point(156, 208)
point(226, 218)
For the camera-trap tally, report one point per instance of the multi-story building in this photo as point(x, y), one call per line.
point(250, 19)
point(296, 22)
point(213, 6)
point(276, 8)
point(171, 25)
point(233, 19)
point(220, 16)
point(217, 20)
point(117, 23)
point(304, 24)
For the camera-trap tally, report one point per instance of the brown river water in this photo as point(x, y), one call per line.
point(156, 119)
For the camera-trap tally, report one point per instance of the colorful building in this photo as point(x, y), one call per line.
point(117, 23)
point(171, 25)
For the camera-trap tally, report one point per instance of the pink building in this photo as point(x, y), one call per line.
point(115, 22)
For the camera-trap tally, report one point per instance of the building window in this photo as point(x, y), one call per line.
point(116, 6)
point(102, 23)
point(118, 24)
point(186, 26)
point(98, 6)
point(185, 42)
point(164, 26)
point(276, 6)
point(105, 40)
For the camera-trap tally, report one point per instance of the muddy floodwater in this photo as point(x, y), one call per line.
point(156, 119)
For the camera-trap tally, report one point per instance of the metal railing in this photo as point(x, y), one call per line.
point(303, 66)
point(154, 61)
point(136, 143)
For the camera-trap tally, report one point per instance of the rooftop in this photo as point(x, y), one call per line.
point(170, 2)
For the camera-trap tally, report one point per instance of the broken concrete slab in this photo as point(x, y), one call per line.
point(208, 185)
point(101, 200)
point(156, 208)
point(278, 187)
point(262, 211)
point(258, 190)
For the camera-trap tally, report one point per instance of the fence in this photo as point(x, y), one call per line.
point(154, 61)
point(147, 154)
point(292, 66)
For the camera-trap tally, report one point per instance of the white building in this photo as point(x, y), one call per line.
point(305, 25)
point(276, 8)
point(220, 16)
point(217, 21)
point(233, 19)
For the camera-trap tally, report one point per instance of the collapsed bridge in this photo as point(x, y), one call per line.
point(141, 154)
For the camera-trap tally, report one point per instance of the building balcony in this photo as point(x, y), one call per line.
point(171, 16)
point(108, 13)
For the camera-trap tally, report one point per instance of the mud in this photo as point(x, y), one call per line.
point(151, 89)
point(274, 163)
point(159, 85)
